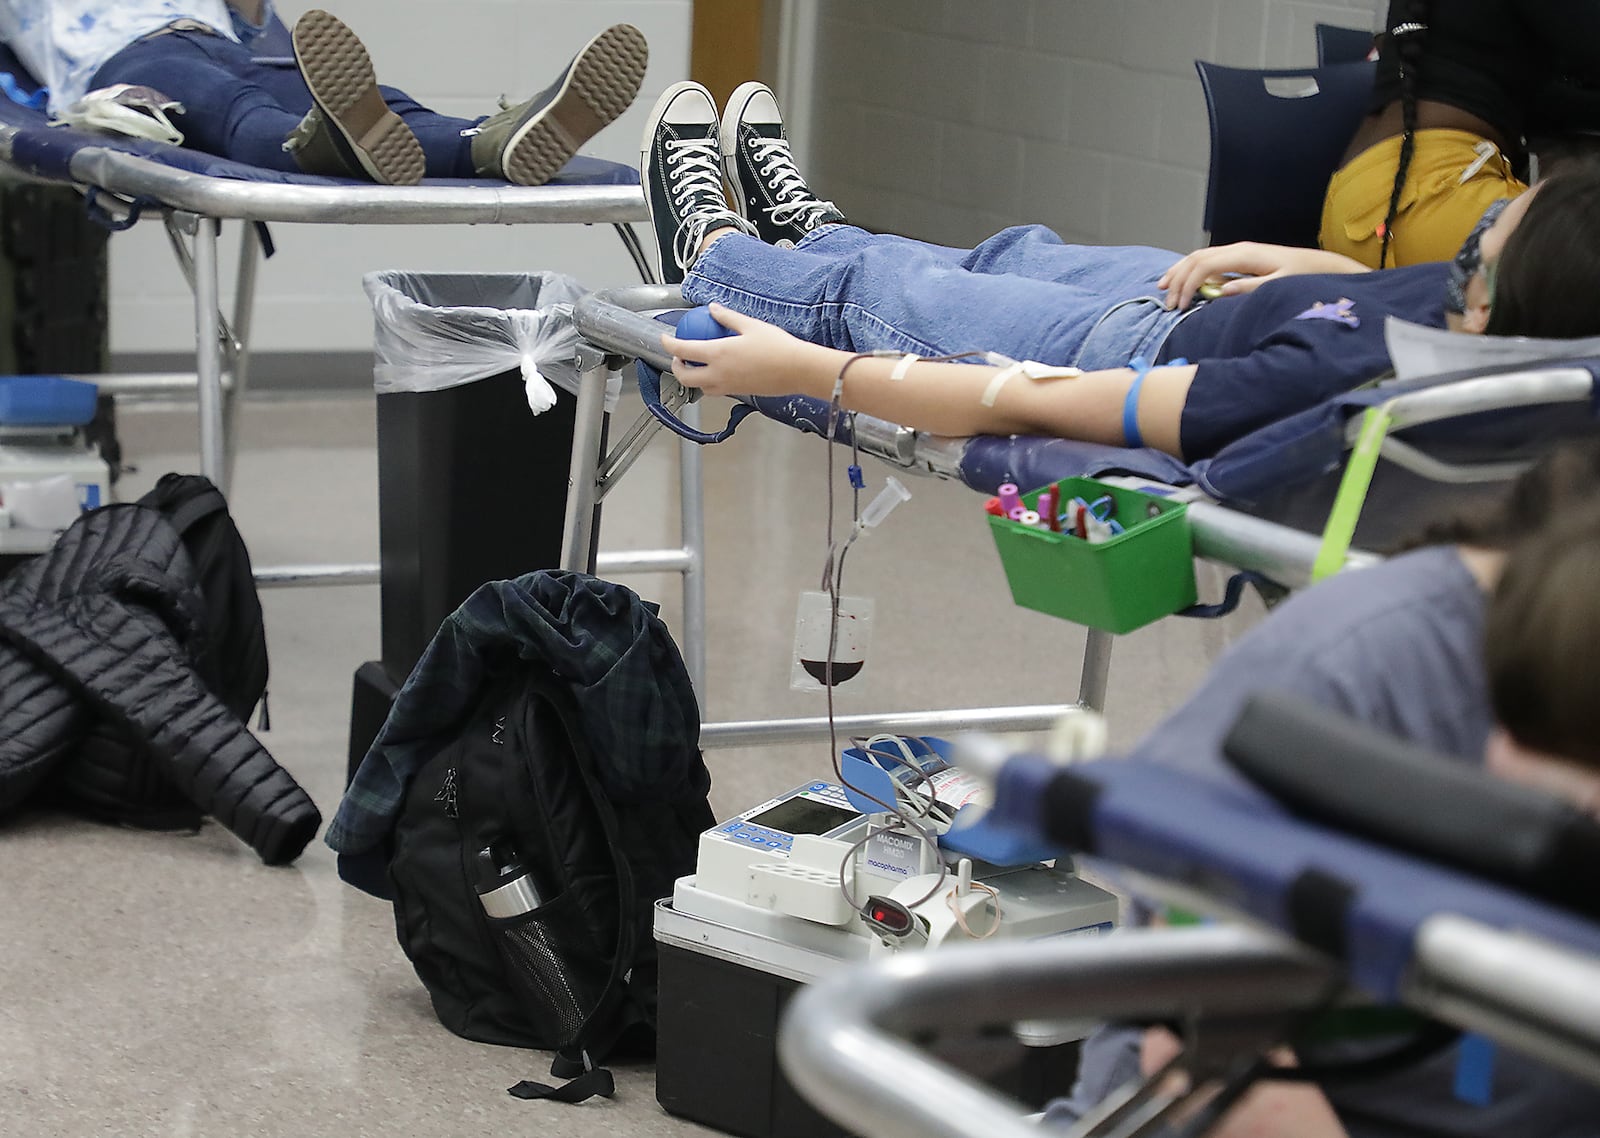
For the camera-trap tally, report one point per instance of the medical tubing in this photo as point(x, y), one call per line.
point(830, 582)
point(897, 810)
point(833, 571)
point(903, 797)
point(832, 575)
point(961, 918)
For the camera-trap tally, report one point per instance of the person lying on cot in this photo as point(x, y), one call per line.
point(1478, 643)
point(323, 112)
point(805, 292)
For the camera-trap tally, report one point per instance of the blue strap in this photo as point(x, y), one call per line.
point(14, 91)
point(1130, 405)
point(650, 389)
point(1131, 437)
point(1231, 595)
point(105, 218)
point(1474, 1081)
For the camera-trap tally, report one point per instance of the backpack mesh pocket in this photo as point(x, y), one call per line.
point(553, 966)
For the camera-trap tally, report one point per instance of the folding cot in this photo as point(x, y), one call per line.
point(1261, 504)
point(1437, 938)
point(125, 179)
point(1483, 922)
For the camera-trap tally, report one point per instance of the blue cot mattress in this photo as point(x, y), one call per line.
point(1239, 845)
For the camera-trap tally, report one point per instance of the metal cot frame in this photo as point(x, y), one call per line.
point(616, 332)
point(193, 208)
point(847, 1041)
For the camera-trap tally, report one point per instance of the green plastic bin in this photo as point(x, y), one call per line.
point(1123, 583)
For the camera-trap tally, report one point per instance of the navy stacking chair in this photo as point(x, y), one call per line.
point(1276, 138)
point(1342, 45)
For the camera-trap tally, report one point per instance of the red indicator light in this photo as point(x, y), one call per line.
point(888, 916)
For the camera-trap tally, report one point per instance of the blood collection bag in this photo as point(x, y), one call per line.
point(814, 631)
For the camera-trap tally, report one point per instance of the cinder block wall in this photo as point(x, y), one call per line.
point(950, 119)
point(457, 56)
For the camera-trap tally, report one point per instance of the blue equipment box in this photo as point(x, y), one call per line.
point(45, 400)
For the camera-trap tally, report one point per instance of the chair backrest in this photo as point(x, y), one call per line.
point(1342, 45)
point(1276, 139)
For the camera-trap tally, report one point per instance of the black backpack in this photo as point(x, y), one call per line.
point(233, 660)
point(516, 792)
point(111, 779)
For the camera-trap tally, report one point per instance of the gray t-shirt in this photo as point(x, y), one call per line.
point(1398, 646)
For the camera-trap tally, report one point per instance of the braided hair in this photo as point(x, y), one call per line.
point(1407, 35)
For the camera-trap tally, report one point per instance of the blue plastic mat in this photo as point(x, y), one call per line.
point(45, 400)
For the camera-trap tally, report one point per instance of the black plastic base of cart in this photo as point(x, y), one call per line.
point(717, 1063)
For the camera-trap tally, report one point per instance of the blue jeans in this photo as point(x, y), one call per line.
point(238, 108)
point(1023, 293)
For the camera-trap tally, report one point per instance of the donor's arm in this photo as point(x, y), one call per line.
point(944, 398)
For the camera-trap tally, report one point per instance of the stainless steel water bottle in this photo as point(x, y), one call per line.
point(505, 889)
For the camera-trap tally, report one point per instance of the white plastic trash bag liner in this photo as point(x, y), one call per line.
point(439, 330)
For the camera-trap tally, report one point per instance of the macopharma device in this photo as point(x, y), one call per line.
point(806, 853)
point(820, 876)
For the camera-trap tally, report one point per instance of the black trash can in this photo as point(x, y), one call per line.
point(472, 484)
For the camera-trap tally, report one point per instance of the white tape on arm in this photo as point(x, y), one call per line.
point(903, 366)
point(1037, 370)
point(992, 392)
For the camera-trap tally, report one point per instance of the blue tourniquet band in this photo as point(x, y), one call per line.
point(1130, 405)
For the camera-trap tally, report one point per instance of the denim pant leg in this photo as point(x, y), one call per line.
point(241, 109)
point(229, 107)
point(1022, 293)
point(449, 154)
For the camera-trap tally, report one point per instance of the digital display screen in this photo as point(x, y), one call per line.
point(801, 815)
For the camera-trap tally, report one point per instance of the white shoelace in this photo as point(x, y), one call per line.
point(697, 197)
point(796, 202)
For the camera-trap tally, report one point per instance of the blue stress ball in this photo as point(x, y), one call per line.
point(697, 324)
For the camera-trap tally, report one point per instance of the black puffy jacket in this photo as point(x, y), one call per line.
point(95, 640)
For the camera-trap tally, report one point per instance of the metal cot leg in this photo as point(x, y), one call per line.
point(582, 480)
point(208, 352)
point(1096, 670)
point(692, 523)
point(244, 303)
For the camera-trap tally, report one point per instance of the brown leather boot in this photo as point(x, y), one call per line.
point(529, 143)
point(350, 132)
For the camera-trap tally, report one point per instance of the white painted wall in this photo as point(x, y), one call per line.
point(457, 56)
point(950, 119)
point(944, 119)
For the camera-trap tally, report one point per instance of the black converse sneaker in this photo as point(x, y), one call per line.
point(683, 178)
point(770, 192)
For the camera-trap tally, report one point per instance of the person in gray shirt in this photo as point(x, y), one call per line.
point(1400, 646)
